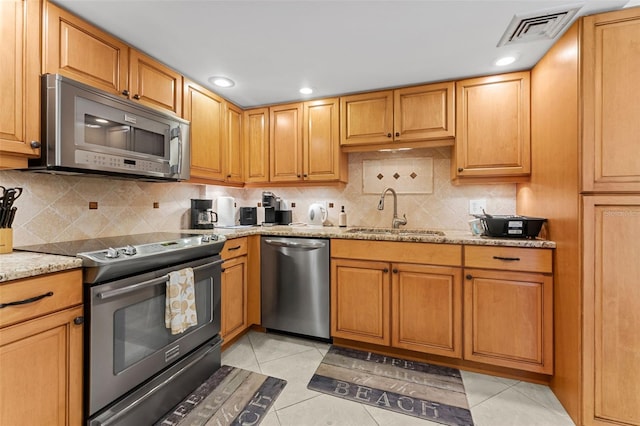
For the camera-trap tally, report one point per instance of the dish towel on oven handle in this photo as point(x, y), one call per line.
point(180, 304)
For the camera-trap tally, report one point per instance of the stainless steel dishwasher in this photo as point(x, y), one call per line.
point(295, 285)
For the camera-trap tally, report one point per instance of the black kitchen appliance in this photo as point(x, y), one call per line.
point(248, 216)
point(135, 367)
point(202, 214)
point(270, 206)
point(511, 226)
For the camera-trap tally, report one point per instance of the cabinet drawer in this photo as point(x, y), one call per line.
point(234, 248)
point(398, 251)
point(62, 290)
point(509, 258)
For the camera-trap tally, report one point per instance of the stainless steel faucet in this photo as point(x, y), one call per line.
point(395, 224)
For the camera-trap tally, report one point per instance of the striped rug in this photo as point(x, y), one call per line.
point(231, 396)
point(413, 388)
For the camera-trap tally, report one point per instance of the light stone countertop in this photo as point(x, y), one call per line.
point(20, 264)
point(24, 264)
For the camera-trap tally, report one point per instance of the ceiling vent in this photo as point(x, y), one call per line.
point(537, 26)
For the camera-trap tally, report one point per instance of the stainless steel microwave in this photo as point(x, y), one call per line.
point(86, 130)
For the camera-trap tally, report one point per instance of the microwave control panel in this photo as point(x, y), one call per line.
point(101, 161)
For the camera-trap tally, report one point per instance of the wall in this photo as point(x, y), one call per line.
point(56, 207)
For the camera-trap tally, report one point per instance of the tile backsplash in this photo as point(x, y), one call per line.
point(56, 207)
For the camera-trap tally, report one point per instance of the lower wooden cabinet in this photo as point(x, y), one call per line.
point(234, 289)
point(41, 356)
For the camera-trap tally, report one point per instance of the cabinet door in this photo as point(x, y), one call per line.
point(367, 118)
point(611, 310)
point(234, 297)
point(234, 144)
point(256, 142)
point(493, 127)
point(611, 101)
point(323, 160)
point(285, 143)
point(205, 110)
point(154, 84)
point(508, 319)
point(41, 374)
point(424, 112)
point(427, 309)
point(19, 81)
point(360, 300)
point(82, 52)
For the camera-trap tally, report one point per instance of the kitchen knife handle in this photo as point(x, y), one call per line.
point(26, 301)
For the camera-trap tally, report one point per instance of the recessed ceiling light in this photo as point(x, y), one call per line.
point(222, 81)
point(306, 90)
point(507, 60)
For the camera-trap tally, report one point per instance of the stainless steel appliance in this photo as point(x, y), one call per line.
point(86, 130)
point(202, 215)
point(295, 285)
point(135, 369)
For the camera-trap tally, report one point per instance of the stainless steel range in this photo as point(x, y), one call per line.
point(135, 368)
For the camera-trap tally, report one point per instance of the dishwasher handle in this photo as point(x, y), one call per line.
point(291, 244)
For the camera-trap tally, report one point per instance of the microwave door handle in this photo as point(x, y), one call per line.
point(176, 132)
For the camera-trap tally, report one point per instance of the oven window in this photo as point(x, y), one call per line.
point(146, 142)
point(139, 329)
point(99, 131)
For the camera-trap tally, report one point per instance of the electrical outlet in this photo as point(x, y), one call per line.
point(477, 206)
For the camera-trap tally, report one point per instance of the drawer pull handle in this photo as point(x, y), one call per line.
point(25, 301)
point(234, 248)
point(508, 259)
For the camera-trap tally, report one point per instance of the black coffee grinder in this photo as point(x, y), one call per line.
point(202, 214)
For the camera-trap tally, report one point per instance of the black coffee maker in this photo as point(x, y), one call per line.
point(274, 212)
point(202, 214)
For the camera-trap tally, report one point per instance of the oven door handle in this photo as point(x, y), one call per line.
point(104, 295)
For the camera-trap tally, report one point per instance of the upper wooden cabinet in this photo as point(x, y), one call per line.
point(493, 128)
point(304, 144)
point(154, 84)
point(234, 147)
point(19, 82)
point(611, 102)
point(205, 110)
point(411, 116)
point(256, 145)
point(82, 52)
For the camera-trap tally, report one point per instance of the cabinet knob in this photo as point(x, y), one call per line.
point(389, 135)
point(395, 271)
point(78, 320)
point(397, 134)
point(460, 169)
point(136, 96)
point(298, 175)
point(35, 144)
point(222, 270)
point(305, 175)
point(228, 176)
point(385, 270)
point(469, 276)
point(125, 92)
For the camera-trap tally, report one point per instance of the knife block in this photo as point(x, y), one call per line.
point(6, 240)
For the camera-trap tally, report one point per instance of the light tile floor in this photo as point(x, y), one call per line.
point(494, 401)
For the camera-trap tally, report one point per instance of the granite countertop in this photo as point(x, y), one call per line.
point(377, 234)
point(23, 264)
point(20, 264)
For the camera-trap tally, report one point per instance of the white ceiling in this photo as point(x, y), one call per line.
point(273, 48)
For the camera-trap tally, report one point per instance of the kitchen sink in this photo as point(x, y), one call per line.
point(400, 232)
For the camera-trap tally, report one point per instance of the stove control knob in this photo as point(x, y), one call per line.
point(206, 238)
point(112, 253)
point(129, 250)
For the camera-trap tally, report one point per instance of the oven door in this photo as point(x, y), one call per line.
point(128, 340)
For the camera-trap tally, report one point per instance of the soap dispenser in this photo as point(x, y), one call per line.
point(342, 218)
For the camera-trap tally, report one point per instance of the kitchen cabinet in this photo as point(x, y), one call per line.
point(20, 82)
point(234, 289)
point(493, 140)
point(41, 350)
point(406, 117)
point(508, 316)
point(304, 144)
point(233, 139)
point(611, 310)
point(380, 296)
point(205, 110)
point(256, 145)
point(76, 49)
point(582, 180)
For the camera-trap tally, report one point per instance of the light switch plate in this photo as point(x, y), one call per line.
point(477, 206)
